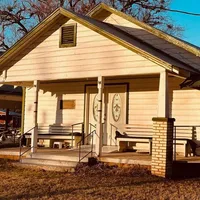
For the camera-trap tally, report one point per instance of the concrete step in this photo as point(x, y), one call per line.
point(109, 149)
point(56, 157)
point(47, 162)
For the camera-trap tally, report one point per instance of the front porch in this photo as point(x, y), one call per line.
point(67, 160)
point(113, 157)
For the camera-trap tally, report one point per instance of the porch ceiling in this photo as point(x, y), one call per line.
point(11, 104)
point(18, 83)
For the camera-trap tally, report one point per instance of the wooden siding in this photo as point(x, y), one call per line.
point(49, 111)
point(143, 98)
point(185, 104)
point(94, 55)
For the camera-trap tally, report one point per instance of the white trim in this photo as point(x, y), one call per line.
point(163, 98)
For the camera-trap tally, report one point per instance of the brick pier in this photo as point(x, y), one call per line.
point(162, 147)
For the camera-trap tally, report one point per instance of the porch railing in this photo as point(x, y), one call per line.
point(183, 133)
point(10, 133)
point(92, 129)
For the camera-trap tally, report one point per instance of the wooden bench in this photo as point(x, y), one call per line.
point(60, 132)
point(133, 134)
point(184, 135)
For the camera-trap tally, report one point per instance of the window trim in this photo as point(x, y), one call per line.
point(74, 39)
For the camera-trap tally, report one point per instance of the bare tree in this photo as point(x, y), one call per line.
point(18, 17)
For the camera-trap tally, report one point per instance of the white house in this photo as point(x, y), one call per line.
point(105, 69)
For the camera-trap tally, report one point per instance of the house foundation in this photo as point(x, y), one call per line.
point(162, 147)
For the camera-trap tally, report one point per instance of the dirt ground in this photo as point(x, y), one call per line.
point(97, 182)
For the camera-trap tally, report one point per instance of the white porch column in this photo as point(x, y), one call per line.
point(163, 98)
point(35, 122)
point(99, 129)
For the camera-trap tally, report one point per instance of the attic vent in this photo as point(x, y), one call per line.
point(68, 35)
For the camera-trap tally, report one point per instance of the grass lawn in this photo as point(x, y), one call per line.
point(97, 182)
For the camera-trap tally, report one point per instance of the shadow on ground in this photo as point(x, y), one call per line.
point(182, 169)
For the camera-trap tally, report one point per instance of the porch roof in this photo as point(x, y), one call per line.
point(114, 33)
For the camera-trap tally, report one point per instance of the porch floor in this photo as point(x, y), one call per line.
point(110, 157)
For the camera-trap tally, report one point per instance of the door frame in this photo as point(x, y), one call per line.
point(87, 101)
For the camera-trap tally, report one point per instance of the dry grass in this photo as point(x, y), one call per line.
point(98, 182)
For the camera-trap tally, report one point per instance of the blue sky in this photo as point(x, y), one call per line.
point(191, 24)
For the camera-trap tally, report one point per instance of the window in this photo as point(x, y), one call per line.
point(68, 35)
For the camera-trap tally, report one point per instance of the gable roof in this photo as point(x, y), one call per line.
point(177, 48)
point(102, 7)
point(61, 16)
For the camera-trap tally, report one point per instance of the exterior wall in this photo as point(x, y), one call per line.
point(94, 55)
point(49, 111)
point(185, 104)
point(143, 99)
point(142, 102)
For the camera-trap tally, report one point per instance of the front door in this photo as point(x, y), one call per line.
point(114, 110)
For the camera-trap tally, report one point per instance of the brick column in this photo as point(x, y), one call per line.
point(162, 147)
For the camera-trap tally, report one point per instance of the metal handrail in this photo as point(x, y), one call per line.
point(80, 142)
point(116, 128)
point(21, 154)
point(81, 123)
point(174, 136)
point(20, 144)
point(112, 125)
point(91, 151)
point(91, 125)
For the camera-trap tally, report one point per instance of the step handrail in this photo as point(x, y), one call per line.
point(112, 126)
point(91, 151)
point(92, 133)
point(82, 131)
point(20, 144)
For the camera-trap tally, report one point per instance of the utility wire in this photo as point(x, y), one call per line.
point(172, 10)
point(182, 12)
point(153, 7)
